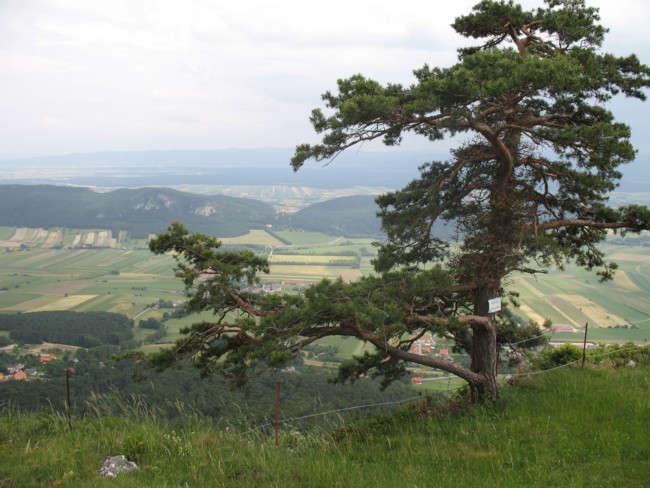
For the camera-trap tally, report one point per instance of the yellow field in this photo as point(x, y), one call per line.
point(29, 305)
point(19, 234)
point(349, 274)
point(532, 315)
point(597, 314)
point(122, 307)
point(316, 259)
point(49, 303)
point(138, 275)
point(53, 237)
point(103, 238)
point(11, 244)
point(257, 236)
point(65, 303)
point(314, 273)
point(629, 256)
point(623, 280)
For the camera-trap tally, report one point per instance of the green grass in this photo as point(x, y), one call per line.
point(346, 346)
point(565, 428)
point(6, 233)
point(604, 335)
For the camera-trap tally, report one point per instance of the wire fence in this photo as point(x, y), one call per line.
point(572, 363)
point(447, 392)
point(331, 412)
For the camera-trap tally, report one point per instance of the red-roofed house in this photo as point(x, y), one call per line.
point(562, 328)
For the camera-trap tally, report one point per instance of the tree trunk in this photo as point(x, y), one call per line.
point(484, 362)
point(484, 350)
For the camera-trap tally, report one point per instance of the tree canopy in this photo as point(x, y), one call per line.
point(84, 329)
point(526, 189)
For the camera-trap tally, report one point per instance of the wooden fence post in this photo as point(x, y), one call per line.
point(68, 372)
point(584, 345)
point(277, 414)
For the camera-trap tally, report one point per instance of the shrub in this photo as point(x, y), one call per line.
point(553, 357)
point(620, 355)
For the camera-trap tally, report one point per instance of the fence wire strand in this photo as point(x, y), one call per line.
point(419, 397)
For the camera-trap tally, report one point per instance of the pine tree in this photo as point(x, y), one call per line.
point(527, 189)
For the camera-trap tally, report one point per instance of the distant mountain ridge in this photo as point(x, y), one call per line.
point(146, 211)
point(140, 211)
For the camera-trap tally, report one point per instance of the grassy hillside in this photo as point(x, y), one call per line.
point(566, 428)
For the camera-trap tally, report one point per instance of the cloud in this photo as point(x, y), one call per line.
point(188, 74)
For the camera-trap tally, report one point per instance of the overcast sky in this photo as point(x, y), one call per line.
point(93, 75)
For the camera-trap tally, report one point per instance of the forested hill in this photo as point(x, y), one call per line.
point(354, 216)
point(148, 211)
point(141, 211)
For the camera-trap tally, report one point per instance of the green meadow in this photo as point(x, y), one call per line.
point(563, 428)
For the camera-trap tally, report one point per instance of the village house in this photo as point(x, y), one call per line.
point(13, 369)
point(562, 328)
point(20, 376)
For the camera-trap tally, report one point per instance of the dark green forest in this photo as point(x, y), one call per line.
point(100, 383)
point(83, 329)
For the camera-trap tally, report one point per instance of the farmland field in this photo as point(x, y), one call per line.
point(616, 310)
point(254, 237)
point(36, 274)
point(312, 259)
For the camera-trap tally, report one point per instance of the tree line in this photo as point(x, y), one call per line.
point(100, 382)
point(83, 329)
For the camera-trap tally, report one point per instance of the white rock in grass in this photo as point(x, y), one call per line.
point(117, 464)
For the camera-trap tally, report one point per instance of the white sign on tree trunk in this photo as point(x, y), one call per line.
point(494, 305)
